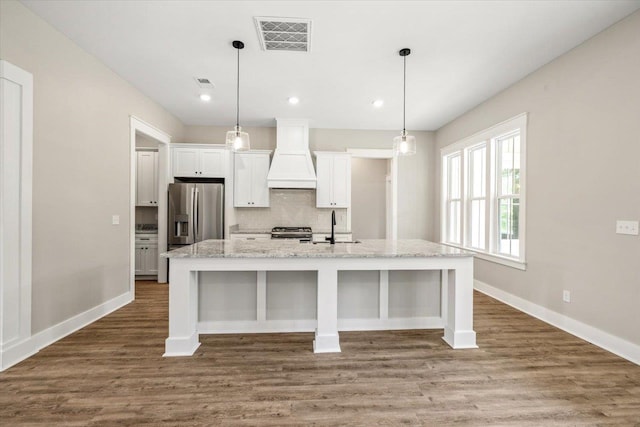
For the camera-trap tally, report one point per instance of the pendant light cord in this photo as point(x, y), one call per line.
point(238, 92)
point(404, 96)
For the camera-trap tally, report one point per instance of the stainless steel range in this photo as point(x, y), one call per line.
point(303, 234)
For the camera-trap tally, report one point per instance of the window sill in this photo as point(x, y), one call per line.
point(519, 265)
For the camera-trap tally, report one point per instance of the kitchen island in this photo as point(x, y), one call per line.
point(326, 261)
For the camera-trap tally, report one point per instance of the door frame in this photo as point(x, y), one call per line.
point(392, 184)
point(164, 140)
point(16, 188)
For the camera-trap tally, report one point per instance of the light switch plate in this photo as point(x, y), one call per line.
point(115, 219)
point(627, 227)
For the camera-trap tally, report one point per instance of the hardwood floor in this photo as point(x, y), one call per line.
point(524, 373)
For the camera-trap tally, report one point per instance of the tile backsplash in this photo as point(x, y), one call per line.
point(290, 208)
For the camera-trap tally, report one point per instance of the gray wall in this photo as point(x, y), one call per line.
point(80, 167)
point(583, 173)
point(416, 175)
point(368, 198)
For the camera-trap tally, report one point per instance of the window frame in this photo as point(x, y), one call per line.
point(489, 138)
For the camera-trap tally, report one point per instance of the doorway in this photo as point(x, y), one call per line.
point(374, 199)
point(145, 137)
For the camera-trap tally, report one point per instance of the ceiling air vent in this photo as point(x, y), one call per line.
point(288, 34)
point(204, 83)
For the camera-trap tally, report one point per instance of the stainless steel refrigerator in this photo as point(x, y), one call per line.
point(196, 213)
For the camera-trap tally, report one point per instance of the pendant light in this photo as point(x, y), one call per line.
point(404, 145)
point(238, 140)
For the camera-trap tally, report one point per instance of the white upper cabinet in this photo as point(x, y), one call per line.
point(333, 189)
point(147, 178)
point(250, 179)
point(198, 162)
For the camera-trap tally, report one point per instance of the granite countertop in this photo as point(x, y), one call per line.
point(260, 231)
point(292, 249)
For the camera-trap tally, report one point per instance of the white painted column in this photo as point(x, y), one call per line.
point(261, 296)
point(183, 310)
point(326, 339)
point(458, 330)
point(384, 295)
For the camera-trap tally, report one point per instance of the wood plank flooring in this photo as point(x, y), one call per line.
point(525, 373)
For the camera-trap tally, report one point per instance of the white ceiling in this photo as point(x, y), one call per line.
point(462, 54)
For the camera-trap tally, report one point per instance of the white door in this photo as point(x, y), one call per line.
point(16, 167)
point(186, 162)
point(259, 185)
point(151, 260)
point(324, 167)
point(242, 183)
point(147, 178)
point(211, 163)
point(140, 260)
point(341, 181)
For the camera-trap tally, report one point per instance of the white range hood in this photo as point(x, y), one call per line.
point(292, 166)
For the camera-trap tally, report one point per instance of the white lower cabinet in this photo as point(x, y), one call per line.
point(146, 257)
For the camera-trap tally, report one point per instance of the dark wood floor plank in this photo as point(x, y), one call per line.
point(525, 373)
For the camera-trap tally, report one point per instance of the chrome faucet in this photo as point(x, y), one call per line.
point(332, 239)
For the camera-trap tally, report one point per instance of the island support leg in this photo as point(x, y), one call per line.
point(183, 311)
point(458, 329)
point(327, 340)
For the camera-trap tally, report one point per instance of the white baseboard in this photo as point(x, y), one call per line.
point(35, 343)
point(605, 340)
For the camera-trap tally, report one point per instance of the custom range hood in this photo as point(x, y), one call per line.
point(292, 166)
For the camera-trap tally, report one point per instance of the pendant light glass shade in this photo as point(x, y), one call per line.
point(404, 145)
point(237, 140)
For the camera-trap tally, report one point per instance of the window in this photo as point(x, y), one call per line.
point(483, 180)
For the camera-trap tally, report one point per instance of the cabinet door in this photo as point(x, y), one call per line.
point(139, 260)
point(242, 180)
point(212, 163)
point(151, 260)
point(146, 178)
point(259, 186)
point(341, 181)
point(186, 162)
point(324, 167)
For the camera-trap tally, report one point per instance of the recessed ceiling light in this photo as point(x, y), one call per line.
point(378, 103)
point(205, 97)
point(293, 100)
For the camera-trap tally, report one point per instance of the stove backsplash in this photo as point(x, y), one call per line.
point(290, 208)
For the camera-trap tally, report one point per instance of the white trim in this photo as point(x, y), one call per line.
point(462, 148)
point(602, 339)
point(491, 257)
point(16, 176)
point(371, 153)
point(163, 139)
point(54, 333)
point(505, 126)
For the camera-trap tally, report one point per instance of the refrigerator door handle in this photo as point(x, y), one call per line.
point(193, 213)
point(196, 212)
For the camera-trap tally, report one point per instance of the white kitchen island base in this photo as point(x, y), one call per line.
point(326, 260)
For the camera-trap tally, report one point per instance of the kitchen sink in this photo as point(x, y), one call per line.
point(322, 243)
